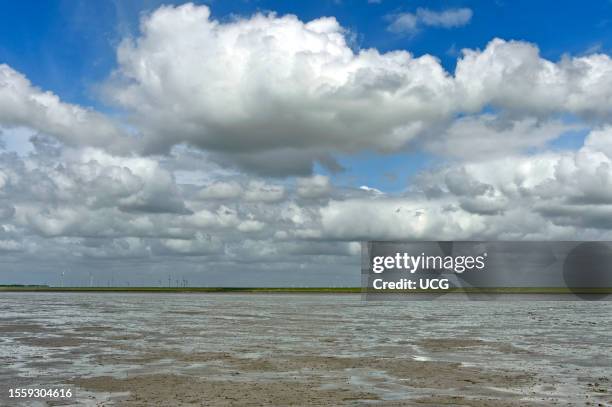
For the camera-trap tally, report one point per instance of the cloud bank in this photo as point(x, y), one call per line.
point(273, 95)
point(211, 168)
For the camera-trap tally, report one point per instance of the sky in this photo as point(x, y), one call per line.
point(256, 143)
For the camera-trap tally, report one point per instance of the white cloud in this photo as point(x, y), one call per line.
point(512, 76)
point(258, 191)
point(273, 94)
point(370, 190)
point(487, 136)
point(395, 219)
point(250, 225)
point(22, 104)
point(3, 179)
point(202, 244)
point(10, 246)
point(260, 89)
point(548, 195)
point(131, 183)
point(412, 22)
point(119, 248)
point(563, 195)
point(404, 23)
point(221, 190)
point(454, 17)
point(316, 186)
point(600, 140)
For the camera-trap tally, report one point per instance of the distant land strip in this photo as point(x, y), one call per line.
point(35, 288)
point(339, 290)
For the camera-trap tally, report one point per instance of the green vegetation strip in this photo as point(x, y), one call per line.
point(185, 289)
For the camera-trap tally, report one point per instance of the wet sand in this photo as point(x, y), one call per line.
point(234, 350)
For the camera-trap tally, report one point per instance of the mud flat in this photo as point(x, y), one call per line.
point(240, 349)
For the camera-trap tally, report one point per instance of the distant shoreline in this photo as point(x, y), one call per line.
point(308, 290)
point(335, 290)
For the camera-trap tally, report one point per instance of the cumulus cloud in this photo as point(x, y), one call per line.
point(273, 94)
point(221, 190)
point(101, 180)
point(486, 136)
point(547, 195)
point(395, 219)
point(22, 104)
point(201, 244)
point(271, 91)
point(562, 194)
point(511, 75)
point(314, 187)
point(250, 225)
point(124, 248)
point(412, 22)
point(259, 191)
